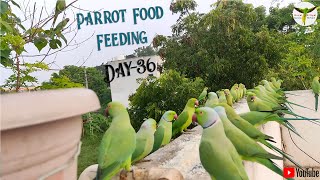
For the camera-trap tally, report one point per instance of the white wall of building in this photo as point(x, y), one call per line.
point(123, 86)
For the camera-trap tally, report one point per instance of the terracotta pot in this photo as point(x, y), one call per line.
point(40, 133)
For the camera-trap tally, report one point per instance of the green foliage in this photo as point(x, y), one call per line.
point(95, 81)
point(221, 46)
point(95, 123)
point(14, 36)
point(155, 96)
point(59, 82)
point(145, 51)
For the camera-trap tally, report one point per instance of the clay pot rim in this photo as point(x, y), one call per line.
point(31, 108)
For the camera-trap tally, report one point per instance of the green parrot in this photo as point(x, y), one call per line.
point(144, 140)
point(118, 143)
point(276, 83)
point(238, 91)
point(234, 93)
point(244, 125)
point(316, 90)
point(257, 118)
point(228, 97)
point(203, 94)
point(60, 7)
point(247, 148)
point(163, 134)
point(241, 89)
point(305, 11)
point(222, 97)
point(218, 155)
point(267, 85)
point(212, 99)
point(185, 118)
point(257, 104)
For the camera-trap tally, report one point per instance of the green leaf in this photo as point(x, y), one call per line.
point(5, 53)
point(40, 43)
point(14, 3)
point(58, 42)
point(4, 6)
point(6, 25)
point(64, 38)
point(53, 44)
point(6, 61)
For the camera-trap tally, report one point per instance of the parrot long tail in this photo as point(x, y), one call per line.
point(285, 155)
point(301, 149)
point(293, 94)
point(289, 103)
point(269, 164)
point(316, 96)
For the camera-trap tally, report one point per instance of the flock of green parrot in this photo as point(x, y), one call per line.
point(227, 138)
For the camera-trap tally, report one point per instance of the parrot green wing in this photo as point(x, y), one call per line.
point(178, 124)
point(158, 138)
point(115, 150)
point(229, 168)
point(202, 96)
point(140, 148)
point(249, 129)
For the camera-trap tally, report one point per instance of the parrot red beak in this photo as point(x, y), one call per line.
point(175, 117)
point(196, 103)
point(194, 118)
point(106, 113)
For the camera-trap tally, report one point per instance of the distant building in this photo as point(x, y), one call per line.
point(22, 89)
point(122, 74)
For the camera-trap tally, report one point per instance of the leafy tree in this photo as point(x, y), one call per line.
point(15, 36)
point(155, 96)
point(58, 82)
point(145, 51)
point(223, 47)
point(95, 80)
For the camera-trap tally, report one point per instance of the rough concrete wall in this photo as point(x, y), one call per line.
point(183, 154)
point(309, 131)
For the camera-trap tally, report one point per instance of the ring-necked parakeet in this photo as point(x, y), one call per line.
point(276, 83)
point(222, 97)
point(316, 90)
point(218, 155)
point(244, 125)
point(234, 93)
point(163, 134)
point(257, 104)
point(257, 118)
point(203, 94)
point(228, 97)
point(118, 143)
point(60, 7)
point(185, 118)
point(144, 140)
point(212, 99)
point(247, 148)
point(243, 89)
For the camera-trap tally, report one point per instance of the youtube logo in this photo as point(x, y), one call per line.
point(288, 172)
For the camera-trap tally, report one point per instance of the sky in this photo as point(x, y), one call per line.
point(87, 54)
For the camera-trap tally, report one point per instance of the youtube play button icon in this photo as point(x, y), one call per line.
point(288, 172)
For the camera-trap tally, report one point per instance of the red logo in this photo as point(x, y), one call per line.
point(288, 172)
